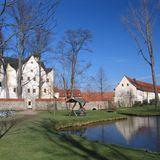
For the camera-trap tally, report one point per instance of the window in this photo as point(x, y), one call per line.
point(34, 78)
point(14, 89)
point(0, 84)
point(127, 84)
point(47, 79)
point(22, 78)
point(122, 84)
point(28, 90)
point(31, 62)
point(45, 90)
point(34, 90)
point(28, 78)
point(31, 70)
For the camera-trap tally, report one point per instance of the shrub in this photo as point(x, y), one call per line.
point(152, 101)
point(137, 103)
point(145, 102)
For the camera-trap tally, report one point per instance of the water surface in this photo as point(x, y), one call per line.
point(136, 132)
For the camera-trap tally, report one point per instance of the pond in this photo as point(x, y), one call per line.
point(135, 132)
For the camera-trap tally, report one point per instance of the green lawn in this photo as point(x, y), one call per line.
point(35, 138)
point(62, 119)
point(147, 110)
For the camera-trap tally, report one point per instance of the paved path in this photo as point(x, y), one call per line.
point(28, 112)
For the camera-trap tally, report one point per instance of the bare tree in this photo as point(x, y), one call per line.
point(27, 17)
point(64, 63)
point(39, 44)
point(4, 5)
point(139, 24)
point(21, 14)
point(76, 41)
point(100, 84)
point(101, 80)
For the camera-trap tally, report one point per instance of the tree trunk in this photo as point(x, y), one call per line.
point(5, 76)
point(40, 79)
point(64, 86)
point(20, 57)
point(19, 87)
point(154, 84)
point(72, 75)
point(5, 80)
point(65, 89)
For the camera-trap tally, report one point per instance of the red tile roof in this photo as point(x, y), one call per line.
point(98, 96)
point(143, 86)
point(76, 93)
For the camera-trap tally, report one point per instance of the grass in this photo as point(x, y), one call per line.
point(35, 138)
point(62, 120)
point(147, 110)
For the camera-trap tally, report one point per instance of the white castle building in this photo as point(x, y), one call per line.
point(128, 91)
point(30, 79)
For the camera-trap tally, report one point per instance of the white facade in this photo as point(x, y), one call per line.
point(30, 80)
point(126, 93)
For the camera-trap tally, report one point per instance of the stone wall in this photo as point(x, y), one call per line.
point(99, 105)
point(95, 105)
point(61, 105)
point(12, 104)
point(46, 104)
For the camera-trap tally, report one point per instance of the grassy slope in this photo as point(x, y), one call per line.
point(35, 139)
point(62, 119)
point(140, 111)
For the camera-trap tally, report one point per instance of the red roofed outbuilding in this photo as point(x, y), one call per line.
point(129, 91)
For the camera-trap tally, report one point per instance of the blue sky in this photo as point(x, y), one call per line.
point(112, 46)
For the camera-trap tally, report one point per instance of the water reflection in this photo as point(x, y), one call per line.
point(137, 132)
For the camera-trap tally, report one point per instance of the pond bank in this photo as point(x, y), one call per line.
point(62, 120)
point(148, 110)
point(93, 122)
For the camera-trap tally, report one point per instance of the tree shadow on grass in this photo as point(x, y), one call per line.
point(74, 146)
point(6, 125)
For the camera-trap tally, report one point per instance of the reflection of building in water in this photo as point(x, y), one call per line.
point(131, 126)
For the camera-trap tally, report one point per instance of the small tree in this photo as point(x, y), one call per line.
point(101, 80)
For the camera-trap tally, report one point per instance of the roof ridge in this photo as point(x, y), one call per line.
point(141, 85)
point(139, 81)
